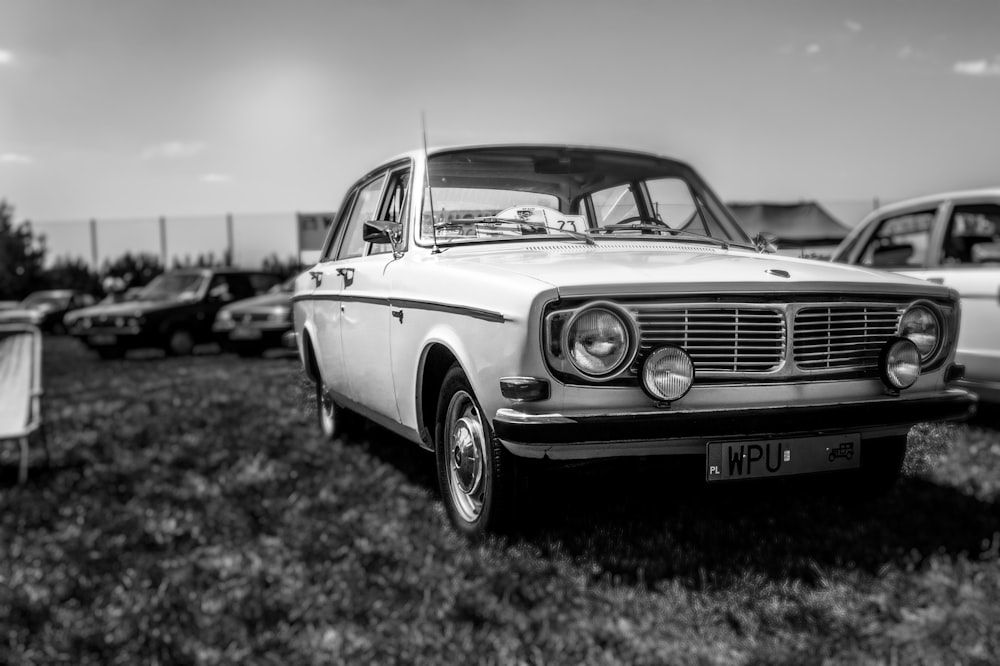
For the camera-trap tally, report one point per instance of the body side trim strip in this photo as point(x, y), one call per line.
point(476, 313)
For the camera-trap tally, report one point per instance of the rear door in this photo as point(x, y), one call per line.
point(366, 316)
point(334, 276)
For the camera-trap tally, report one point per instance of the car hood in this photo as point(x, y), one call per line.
point(649, 267)
point(262, 301)
point(21, 314)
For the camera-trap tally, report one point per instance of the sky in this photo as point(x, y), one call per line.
point(133, 109)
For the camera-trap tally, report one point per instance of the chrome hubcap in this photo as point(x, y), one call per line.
point(326, 412)
point(467, 470)
point(466, 459)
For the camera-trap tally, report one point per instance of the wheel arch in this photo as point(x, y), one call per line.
point(435, 361)
point(308, 356)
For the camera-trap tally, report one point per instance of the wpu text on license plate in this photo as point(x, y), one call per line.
point(782, 457)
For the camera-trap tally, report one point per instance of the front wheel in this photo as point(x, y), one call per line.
point(475, 471)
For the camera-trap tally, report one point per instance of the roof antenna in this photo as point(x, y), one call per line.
point(427, 183)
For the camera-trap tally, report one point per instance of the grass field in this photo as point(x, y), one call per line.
point(191, 515)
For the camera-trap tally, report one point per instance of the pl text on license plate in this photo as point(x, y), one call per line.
point(752, 459)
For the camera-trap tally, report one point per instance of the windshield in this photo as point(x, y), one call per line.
point(45, 299)
point(485, 194)
point(171, 286)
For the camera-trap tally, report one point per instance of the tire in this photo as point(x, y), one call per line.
point(249, 351)
point(180, 342)
point(881, 465)
point(476, 473)
point(333, 419)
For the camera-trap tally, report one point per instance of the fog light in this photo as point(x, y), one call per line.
point(899, 363)
point(667, 374)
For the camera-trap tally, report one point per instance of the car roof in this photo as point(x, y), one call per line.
point(936, 199)
point(441, 150)
point(219, 270)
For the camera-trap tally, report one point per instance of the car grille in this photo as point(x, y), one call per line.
point(719, 339)
point(752, 340)
point(845, 337)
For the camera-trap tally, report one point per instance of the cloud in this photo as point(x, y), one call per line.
point(15, 158)
point(216, 178)
point(905, 52)
point(170, 150)
point(6, 57)
point(812, 49)
point(978, 67)
point(853, 26)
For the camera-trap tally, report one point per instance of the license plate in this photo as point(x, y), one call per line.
point(102, 339)
point(754, 459)
point(244, 333)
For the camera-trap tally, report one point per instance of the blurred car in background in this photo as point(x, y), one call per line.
point(254, 325)
point(951, 239)
point(174, 312)
point(46, 309)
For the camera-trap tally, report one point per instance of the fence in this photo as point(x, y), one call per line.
point(248, 238)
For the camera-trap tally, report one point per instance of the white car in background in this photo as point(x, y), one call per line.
point(951, 239)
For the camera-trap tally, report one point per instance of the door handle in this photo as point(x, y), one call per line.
point(347, 274)
point(317, 276)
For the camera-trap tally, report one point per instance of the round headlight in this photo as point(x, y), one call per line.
point(597, 341)
point(921, 325)
point(899, 363)
point(667, 373)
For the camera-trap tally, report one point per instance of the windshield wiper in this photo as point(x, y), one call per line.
point(494, 221)
point(662, 228)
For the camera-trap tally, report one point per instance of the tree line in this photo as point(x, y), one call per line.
point(23, 266)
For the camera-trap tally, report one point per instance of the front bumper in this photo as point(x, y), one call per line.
point(678, 431)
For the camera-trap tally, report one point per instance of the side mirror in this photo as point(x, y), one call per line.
point(765, 242)
point(383, 231)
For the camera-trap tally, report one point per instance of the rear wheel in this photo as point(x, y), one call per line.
point(180, 342)
point(332, 417)
point(475, 471)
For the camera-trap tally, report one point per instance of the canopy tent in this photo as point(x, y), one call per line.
point(802, 224)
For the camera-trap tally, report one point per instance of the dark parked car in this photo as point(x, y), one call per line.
point(254, 325)
point(174, 312)
point(46, 309)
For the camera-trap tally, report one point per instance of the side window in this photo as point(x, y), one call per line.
point(262, 282)
point(614, 204)
point(219, 289)
point(362, 211)
point(396, 202)
point(900, 242)
point(335, 230)
point(973, 234)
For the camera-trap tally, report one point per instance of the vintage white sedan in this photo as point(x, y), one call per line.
point(499, 303)
point(951, 239)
